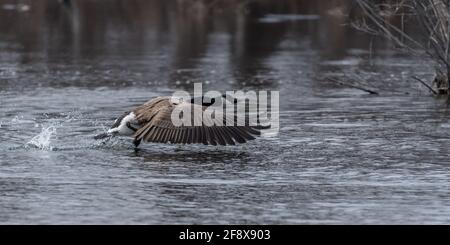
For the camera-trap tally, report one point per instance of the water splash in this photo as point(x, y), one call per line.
point(43, 139)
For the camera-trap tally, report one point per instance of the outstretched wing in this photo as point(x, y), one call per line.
point(155, 116)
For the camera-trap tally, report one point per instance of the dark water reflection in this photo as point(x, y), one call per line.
point(166, 41)
point(342, 156)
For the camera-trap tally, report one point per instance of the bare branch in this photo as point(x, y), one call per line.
point(425, 84)
point(432, 16)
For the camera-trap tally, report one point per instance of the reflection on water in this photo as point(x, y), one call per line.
point(68, 68)
point(165, 41)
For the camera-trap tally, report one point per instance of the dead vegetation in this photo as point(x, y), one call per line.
point(419, 27)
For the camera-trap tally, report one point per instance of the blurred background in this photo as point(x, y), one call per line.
point(103, 43)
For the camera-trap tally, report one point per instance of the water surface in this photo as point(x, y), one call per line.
point(342, 156)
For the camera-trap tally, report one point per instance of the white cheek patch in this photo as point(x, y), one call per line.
point(123, 128)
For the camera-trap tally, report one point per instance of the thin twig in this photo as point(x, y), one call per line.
point(425, 84)
point(352, 86)
point(433, 17)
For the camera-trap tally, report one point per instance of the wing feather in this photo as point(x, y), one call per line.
point(155, 118)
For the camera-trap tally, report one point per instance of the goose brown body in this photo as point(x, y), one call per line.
point(151, 122)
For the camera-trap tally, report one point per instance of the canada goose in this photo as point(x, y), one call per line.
point(151, 122)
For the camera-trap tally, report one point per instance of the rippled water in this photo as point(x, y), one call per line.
point(341, 157)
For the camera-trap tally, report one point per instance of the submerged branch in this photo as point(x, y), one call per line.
point(352, 86)
point(425, 84)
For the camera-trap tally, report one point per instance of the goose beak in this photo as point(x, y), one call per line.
point(103, 136)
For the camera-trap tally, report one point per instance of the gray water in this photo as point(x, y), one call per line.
point(342, 156)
